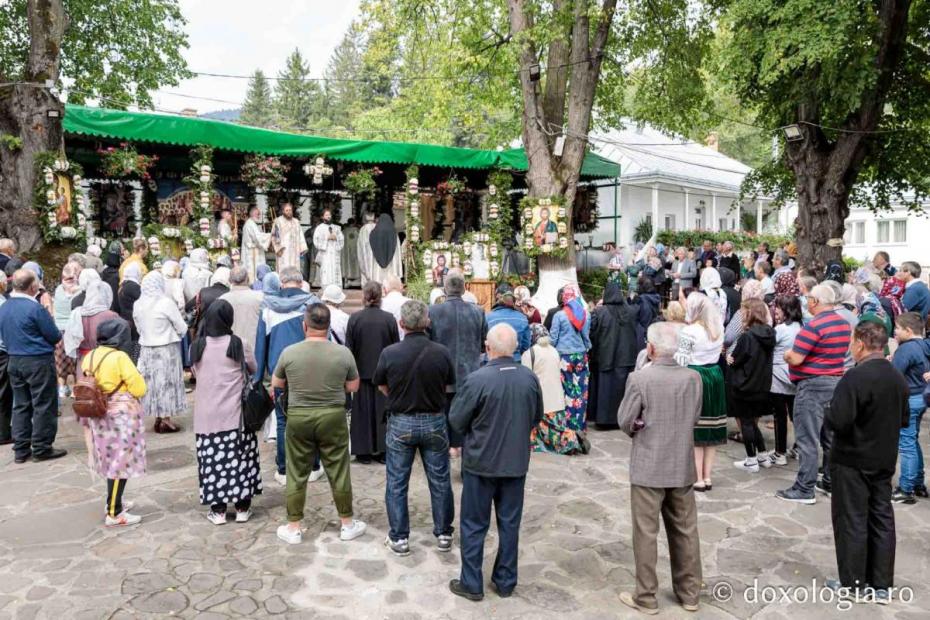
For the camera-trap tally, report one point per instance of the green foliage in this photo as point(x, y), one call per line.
point(296, 99)
point(419, 287)
point(643, 231)
point(118, 51)
point(592, 283)
point(740, 240)
point(11, 142)
point(200, 181)
point(850, 264)
point(362, 182)
point(258, 107)
point(791, 60)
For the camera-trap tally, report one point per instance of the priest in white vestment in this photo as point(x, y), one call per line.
point(379, 251)
point(254, 243)
point(287, 239)
point(224, 228)
point(328, 241)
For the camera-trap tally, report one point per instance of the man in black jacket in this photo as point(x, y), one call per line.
point(496, 408)
point(868, 410)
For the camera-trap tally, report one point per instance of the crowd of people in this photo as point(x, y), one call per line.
point(675, 346)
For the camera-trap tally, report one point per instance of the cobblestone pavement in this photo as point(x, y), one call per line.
point(575, 555)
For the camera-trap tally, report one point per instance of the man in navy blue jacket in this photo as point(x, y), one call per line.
point(280, 325)
point(496, 408)
point(916, 294)
point(29, 334)
point(505, 312)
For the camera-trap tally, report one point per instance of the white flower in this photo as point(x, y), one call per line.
point(50, 196)
point(204, 178)
point(49, 178)
point(546, 247)
point(492, 190)
point(205, 169)
point(68, 232)
point(52, 219)
point(46, 170)
point(77, 179)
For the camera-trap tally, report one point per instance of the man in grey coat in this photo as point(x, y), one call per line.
point(683, 272)
point(666, 399)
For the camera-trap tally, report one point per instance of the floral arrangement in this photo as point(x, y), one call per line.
point(57, 219)
point(124, 161)
point(362, 182)
point(557, 249)
point(317, 170)
point(453, 185)
point(265, 174)
point(499, 214)
point(741, 240)
point(201, 178)
point(529, 280)
point(414, 225)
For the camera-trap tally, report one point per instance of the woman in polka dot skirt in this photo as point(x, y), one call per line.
point(227, 455)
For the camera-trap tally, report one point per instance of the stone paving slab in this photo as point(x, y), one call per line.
point(57, 561)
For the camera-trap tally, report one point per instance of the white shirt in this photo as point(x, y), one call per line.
point(158, 323)
point(705, 350)
point(544, 361)
point(392, 303)
point(768, 287)
point(338, 322)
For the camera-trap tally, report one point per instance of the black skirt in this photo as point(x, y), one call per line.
point(367, 429)
point(611, 386)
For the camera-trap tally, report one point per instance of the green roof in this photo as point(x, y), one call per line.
point(188, 131)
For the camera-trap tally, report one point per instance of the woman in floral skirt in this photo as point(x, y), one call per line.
point(118, 438)
point(570, 336)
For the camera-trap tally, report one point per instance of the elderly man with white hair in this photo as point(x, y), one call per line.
point(660, 408)
point(495, 409)
point(815, 365)
point(394, 299)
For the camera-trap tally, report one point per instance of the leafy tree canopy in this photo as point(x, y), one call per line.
point(119, 51)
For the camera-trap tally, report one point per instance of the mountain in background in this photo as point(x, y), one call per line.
point(223, 115)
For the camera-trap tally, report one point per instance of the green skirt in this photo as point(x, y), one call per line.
point(711, 429)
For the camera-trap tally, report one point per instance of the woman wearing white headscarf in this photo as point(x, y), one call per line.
point(711, 286)
point(161, 327)
point(174, 286)
point(80, 335)
point(197, 273)
point(130, 288)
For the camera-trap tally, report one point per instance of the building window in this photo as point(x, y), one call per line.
point(698, 224)
point(855, 233)
point(722, 224)
point(900, 231)
point(669, 222)
point(884, 229)
point(649, 218)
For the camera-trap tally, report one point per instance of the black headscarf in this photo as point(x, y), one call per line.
point(115, 333)
point(383, 240)
point(216, 323)
point(114, 255)
point(12, 265)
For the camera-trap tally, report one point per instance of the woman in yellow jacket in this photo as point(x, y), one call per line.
point(118, 437)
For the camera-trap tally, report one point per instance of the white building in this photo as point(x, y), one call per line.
point(672, 181)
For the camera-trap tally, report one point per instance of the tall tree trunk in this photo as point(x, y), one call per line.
point(573, 68)
point(24, 115)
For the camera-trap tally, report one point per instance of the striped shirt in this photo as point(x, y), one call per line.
point(823, 342)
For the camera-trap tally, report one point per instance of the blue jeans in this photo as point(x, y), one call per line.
point(405, 435)
point(912, 456)
point(478, 492)
point(813, 395)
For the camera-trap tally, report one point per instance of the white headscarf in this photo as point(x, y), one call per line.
point(153, 286)
point(171, 269)
point(98, 297)
point(220, 276)
point(88, 277)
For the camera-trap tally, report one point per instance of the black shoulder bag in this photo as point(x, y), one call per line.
point(257, 404)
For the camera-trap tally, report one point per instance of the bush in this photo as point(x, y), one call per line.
point(741, 240)
point(419, 288)
point(592, 283)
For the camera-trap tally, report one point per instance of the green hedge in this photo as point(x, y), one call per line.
point(740, 240)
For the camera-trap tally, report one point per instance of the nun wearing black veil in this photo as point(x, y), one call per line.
point(379, 250)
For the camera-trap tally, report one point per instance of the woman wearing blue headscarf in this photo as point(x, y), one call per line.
point(260, 273)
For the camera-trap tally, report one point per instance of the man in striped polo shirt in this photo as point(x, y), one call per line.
point(815, 364)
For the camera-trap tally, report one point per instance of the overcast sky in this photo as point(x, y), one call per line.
point(239, 36)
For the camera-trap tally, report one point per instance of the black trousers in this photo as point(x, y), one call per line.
point(115, 488)
point(752, 436)
point(782, 409)
point(478, 493)
point(35, 403)
point(863, 526)
point(6, 399)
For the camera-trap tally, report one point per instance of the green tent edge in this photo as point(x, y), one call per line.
point(186, 131)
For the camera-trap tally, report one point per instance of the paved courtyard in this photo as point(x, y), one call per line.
point(575, 555)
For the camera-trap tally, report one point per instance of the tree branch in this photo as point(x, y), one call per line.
point(557, 67)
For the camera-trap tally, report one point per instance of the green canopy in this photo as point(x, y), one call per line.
point(190, 131)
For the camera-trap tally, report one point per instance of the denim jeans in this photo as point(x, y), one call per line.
point(35, 403)
point(813, 395)
point(405, 435)
point(912, 456)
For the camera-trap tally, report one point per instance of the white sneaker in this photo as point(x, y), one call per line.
point(290, 535)
point(216, 518)
point(280, 479)
point(122, 519)
point(750, 464)
point(62, 391)
point(242, 516)
point(127, 506)
point(318, 474)
point(351, 532)
point(779, 460)
point(765, 459)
